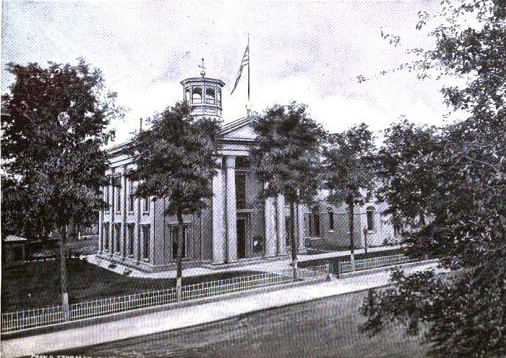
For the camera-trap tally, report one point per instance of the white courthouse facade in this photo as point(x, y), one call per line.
point(234, 227)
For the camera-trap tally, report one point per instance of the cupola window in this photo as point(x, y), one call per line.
point(197, 95)
point(210, 95)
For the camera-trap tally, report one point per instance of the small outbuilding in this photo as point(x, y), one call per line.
point(14, 250)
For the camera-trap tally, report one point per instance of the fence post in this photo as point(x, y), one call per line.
point(328, 272)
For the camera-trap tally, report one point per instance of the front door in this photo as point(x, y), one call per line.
point(241, 237)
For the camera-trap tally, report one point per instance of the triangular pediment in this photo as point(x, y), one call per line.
point(239, 129)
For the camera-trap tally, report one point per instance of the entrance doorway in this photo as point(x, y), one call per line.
point(314, 224)
point(242, 235)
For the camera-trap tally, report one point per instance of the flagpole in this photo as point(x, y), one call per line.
point(249, 60)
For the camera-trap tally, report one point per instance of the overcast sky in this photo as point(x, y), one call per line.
point(309, 51)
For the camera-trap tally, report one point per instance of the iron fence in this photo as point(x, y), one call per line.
point(27, 319)
point(363, 264)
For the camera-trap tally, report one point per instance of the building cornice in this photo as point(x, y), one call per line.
point(225, 129)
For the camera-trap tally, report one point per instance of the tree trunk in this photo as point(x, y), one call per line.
point(366, 244)
point(63, 273)
point(179, 260)
point(292, 240)
point(352, 233)
point(424, 245)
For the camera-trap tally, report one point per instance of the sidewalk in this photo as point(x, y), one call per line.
point(266, 266)
point(191, 315)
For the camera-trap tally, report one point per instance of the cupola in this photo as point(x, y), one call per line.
point(203, 94)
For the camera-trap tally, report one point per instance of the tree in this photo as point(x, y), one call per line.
point(175, 160)
point(54, 131)
point(462, 313)
point(405, 168)
point(20, 214)
point(349, 175)
point(286, 157)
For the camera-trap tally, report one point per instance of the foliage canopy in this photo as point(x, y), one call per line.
point(456, 177)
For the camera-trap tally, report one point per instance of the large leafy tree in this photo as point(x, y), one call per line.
point(349, 173)
point(287, 158)
point(405, 167)
point(175, 160)
point(54, 131)
point(463, 313)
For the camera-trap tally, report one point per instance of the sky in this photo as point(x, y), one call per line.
point(307, 51)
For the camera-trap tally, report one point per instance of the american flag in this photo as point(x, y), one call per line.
point(244, 62)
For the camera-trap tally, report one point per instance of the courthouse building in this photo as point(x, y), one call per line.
point(235, 227)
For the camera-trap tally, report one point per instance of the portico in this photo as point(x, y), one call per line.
point(243, 225)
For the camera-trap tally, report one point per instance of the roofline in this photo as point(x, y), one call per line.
point(225, 129)
point(202, 79)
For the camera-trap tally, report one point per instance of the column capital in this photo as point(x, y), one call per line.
point(230, 162)
point(219, 161)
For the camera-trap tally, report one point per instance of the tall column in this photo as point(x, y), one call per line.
point(218, 211)
point(270, 227)
point(113, 215)
point(152, 227)
point(137, 240)
point(100, 232)
point(231, 211)
point(281, 224)
point(124, 202)
point(300, 227)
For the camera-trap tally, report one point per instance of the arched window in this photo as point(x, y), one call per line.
point(197, 95)
point(370, 218)
point(210, 95)
point(187, 95)
point(331, 219)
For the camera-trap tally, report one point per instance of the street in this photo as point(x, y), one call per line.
point(322, 328)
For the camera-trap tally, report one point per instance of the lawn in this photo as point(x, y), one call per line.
point(37, 284)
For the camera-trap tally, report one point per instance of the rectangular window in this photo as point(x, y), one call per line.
point(288, 224)
point(131, 238)
point(331, 220)
point(117, 193)
point(314, 224)
point(105, 236)
point(174, 231)
point(131, 196)
point(240, 190)
point(145, 205)
point(370, 219)
point(117, 237)
point(146, 234)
